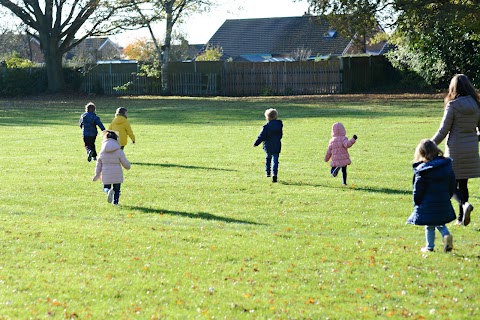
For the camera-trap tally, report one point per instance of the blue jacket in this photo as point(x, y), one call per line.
point(89, 122)
point(271, 136)
point(433, 186)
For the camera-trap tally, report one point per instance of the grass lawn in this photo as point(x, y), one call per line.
point(201, 233)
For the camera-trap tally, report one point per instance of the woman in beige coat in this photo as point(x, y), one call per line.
point(109, 166)
point(460, 124)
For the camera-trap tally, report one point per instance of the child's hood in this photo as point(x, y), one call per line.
point(338, 130)
point(440, 166)
point(119, 119)
point(275, 124)
point(110, 145)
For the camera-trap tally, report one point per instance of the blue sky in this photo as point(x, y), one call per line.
point(199, 28)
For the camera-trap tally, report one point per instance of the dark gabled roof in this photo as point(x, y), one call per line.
point(278, 36)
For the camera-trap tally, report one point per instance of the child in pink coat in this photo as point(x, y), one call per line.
point(337, 151)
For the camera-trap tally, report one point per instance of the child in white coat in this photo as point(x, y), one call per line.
point(109, 166)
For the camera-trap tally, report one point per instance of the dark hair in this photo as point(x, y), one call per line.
point(111, 135)
point(121, 111)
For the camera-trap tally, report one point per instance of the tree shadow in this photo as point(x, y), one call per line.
point(199, 215)
point(171, 165)
point(353, 188)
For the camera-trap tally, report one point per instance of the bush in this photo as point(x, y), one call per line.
point(22, 81)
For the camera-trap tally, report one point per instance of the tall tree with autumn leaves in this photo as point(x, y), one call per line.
point(434, 38)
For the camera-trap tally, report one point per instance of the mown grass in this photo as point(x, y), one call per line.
point(201, 233)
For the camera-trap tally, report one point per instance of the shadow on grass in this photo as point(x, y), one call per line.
point(171, 165)
point(199, 215)
point(59, 110)
point(349, 187)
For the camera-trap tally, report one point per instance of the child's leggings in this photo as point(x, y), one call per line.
point(116, 189)
point(344, 174)
point(430, 234)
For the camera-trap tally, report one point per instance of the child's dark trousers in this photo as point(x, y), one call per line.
point(90, 145)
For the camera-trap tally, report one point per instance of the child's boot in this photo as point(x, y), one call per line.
point(274, 179)
point(448, 243)
point(335, 171)
point(110, 195)
point(467, 210)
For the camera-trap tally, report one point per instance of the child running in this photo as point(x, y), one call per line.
point(433, 186)
point(89, 122)
point(271, 136)
point(109, 166)
point(337, 151)
point(121, 125)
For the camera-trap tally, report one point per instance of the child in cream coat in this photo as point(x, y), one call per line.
point(109, 166)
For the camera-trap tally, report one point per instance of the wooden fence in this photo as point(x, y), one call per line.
point(113, 83)
point(282, 78)
point(335, 75)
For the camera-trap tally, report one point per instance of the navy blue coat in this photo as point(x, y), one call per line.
point(89, 122)
point(271, 136)
point(433, 186)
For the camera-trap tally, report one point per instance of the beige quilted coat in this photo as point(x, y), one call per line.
point(461, 119)
point(110, 162)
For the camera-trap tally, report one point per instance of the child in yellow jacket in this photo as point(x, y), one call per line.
point(121, 125)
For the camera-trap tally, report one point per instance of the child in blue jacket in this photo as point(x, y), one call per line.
point(271, 136)
point(89, 122)
point(433, 187)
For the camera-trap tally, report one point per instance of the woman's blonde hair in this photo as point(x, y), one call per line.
point(426, 150)
point(271, 114)
point(460, 86)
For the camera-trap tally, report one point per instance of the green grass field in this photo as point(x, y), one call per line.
point(201, 233)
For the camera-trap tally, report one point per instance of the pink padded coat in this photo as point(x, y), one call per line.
point(338, 145)
point(110, 162)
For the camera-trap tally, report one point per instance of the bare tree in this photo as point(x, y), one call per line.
point(171, 12)
point(56, 24)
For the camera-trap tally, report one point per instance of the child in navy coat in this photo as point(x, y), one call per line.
point(433, 187)
point(89, 122)
point(271, 136)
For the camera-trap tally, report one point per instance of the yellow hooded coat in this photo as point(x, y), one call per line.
point(121, 125)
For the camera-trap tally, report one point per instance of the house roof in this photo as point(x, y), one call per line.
point(96, 43)
point(278, 36)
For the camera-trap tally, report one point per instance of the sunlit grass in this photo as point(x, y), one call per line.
point(201, 232)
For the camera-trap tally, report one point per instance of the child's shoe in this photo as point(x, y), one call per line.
point(426, 249)
point(274, 179)
point(110, 194)
point(89, 157)
point(448, 243)
point(335, 171)
point(467, 210)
